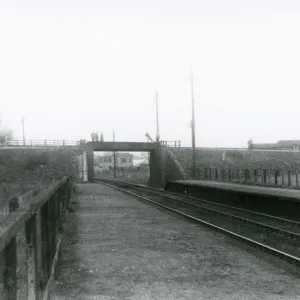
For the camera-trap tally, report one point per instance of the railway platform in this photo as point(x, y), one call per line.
point(291, 194)
point(275, 201)
point(117, 247)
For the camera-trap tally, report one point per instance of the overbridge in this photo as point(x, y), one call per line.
point(153, 148)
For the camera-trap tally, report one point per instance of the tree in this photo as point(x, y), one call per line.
point(250, 144)
point(6, 135)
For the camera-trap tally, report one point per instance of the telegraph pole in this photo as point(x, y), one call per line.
point(23, 130)
point(157, 125)
point(115, 176)
point(193, 127)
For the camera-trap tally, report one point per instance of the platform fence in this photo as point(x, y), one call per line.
point(30, 236)
point(260, 177)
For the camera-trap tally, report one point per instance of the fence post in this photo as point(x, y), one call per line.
point(216, 174)
point(31, 240)
point(276, 177)
point(289, 178)
point(245, 175)
point(264, 176)
point(255, 175)
point(39, 247)
point(45, 245)
point(10, 258)
point(229, 174)
point(297, 180)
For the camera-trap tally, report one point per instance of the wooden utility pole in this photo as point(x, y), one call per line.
point(115, 176)
point(23, 130)
point(157, 121)
point(193, 127)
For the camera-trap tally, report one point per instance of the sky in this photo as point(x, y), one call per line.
point(74, 67)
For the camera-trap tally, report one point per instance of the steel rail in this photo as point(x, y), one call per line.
point(273, 218)
point(273, 251)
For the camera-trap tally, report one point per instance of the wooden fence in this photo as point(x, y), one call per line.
point(261, 177)
point(29, 239)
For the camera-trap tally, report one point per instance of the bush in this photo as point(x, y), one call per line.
point(22, 170)
point(34, 160)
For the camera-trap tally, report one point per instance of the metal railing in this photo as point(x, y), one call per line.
point(39, 143)
point(173, 144)
point(40, 221)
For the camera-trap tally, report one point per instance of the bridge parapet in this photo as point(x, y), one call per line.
point(122, 146)
point(40, 223)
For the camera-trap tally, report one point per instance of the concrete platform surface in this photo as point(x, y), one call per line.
point(117, 247)
point(249, 189)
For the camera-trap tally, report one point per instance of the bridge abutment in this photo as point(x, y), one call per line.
point(90, 162)
point(156, 168)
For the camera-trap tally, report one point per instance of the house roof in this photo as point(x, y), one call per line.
point(118, 154)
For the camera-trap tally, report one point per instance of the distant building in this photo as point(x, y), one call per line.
point(280, 145)
point(140, 161)
point(143, 166)
point(145, 154)
point(289, 144)
point(123, 160)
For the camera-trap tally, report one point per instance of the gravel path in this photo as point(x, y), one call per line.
point(117, 247)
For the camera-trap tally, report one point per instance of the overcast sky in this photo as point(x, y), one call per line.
point(73, 67)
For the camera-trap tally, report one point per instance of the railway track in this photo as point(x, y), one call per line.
point(278, 236)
